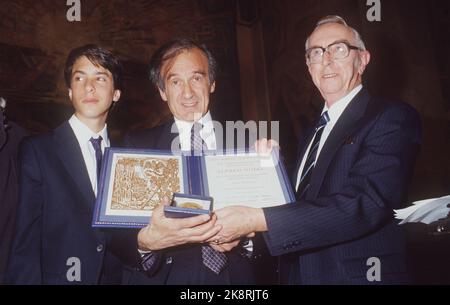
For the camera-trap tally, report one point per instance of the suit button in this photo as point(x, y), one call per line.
point(99, 248)
point(169, 260)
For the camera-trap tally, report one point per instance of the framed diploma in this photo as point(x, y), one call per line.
point(243, 178)
point(134, 181)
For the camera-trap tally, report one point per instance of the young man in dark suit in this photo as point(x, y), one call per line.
point(184, 73)
point(353, 169)
point(55, 242)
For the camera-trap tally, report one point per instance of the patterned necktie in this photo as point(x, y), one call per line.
point(197, 143)
point(311, 158)
point(212, 259)
point(97, 144)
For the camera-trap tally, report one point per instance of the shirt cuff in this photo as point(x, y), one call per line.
point(143, 253)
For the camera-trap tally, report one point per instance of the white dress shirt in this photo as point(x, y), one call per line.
point(334, 113)
point(83, 135)
point(206, 133)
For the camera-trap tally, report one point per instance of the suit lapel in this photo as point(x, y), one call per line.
point(345, 126)
point(69, 152)
point(303, 144)
point(166, 137)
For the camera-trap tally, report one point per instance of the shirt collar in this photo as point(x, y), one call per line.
point(185, 126)
point(84, 134)
point(207, 132)
point(335, 111)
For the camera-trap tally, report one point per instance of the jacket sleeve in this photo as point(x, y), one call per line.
point(24, 266)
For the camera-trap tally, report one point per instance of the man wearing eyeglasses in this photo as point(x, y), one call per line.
point(353, 169)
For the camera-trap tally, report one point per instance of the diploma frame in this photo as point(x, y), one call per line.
point(133, 181)
point(136, 187)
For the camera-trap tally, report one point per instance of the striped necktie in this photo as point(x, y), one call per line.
point(311, 158)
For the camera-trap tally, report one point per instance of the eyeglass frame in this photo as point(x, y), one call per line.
point(349, 46)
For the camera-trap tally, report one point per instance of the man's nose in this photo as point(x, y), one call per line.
point(89, 86)
point(326, 58)
point(187, 90)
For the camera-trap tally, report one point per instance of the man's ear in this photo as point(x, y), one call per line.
point(213, 87)
point(364, 57)
point(116, 95)
point(162, 94)
point(70, 93)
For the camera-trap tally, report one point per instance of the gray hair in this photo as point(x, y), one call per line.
point(339, 20)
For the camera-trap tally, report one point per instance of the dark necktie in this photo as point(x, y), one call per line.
point(212, 259)
point(97, 144)
point(148, 260)
point(311, 158)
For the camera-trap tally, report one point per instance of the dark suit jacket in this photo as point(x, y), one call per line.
point(183, 265)
point(361, 175)
point(9, 187)
point(55, 215)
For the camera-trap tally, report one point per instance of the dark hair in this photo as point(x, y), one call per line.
point(170, 50)
point(97, 56)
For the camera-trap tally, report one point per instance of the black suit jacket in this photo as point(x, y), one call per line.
point(361, 175)
point(9, 187)
point(183, 265)
point(55, 215)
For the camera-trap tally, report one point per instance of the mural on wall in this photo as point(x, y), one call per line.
point(35, 38)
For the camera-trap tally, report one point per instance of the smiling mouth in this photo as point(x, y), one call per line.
point(329, 75)
point(190, 105)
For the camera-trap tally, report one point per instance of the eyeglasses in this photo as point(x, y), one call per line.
point(336, 50)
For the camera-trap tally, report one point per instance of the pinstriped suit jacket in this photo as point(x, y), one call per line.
point(361, 175)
